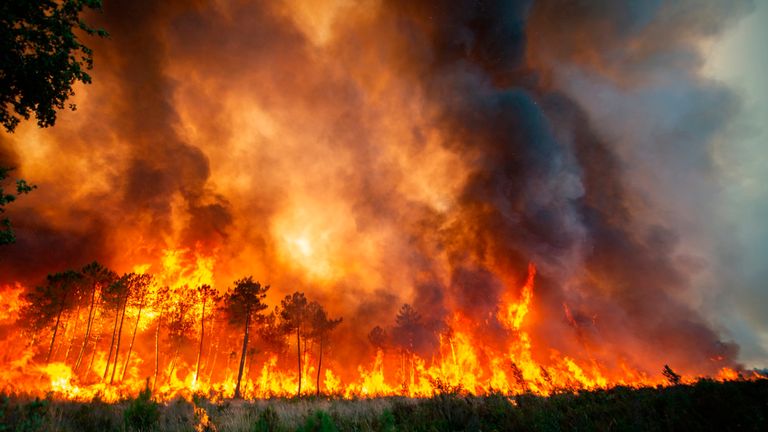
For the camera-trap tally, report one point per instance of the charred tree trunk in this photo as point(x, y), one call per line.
point(298, 354)
point(62, 337)
point(74, 333)
point(95, 346)
point(53, 337)
point(242, 356)
point(202, 336)
point(133, 339)
point(87, 329)
point(212, 367)
point(112, 342)
point(319, 365)
point(157, 351)
point(210, 349)
point(248, 363)
point(173, 365)
point(119, 336)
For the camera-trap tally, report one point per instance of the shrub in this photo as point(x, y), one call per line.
point(142, 413)
point(268, 421)
point(320, 421)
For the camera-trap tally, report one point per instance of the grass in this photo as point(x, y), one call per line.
point(704, 406)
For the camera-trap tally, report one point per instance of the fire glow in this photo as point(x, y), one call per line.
point(463, 361)
point(371, 156)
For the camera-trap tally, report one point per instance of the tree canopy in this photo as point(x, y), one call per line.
point(22, 187)
point(41, 57)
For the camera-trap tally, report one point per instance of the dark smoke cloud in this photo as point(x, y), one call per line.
point(545, 187)
point(545, 183)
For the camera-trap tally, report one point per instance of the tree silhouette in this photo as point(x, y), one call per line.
point(243, 304)
point(206, 296)
point(378, 338)
point(321, 327)
point(49, 301)
point(159, 302)
point(41, 57)
point(95, 278)
point(180, 321)
point(22, 187)
point(271, 334)
point(116, 298)
point(139, 286)
point(294, 318)
point(672, 377)
point(407, 326)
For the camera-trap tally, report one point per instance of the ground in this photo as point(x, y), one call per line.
point(706, 405)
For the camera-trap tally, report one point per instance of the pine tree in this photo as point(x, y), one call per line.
point(243, 304)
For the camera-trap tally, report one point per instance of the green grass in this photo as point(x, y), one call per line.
point(704, 406)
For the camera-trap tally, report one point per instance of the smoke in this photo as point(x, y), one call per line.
point(377, 153)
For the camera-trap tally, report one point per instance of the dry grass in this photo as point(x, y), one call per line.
point(707, 405)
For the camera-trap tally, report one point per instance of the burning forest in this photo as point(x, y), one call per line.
point(371, 198)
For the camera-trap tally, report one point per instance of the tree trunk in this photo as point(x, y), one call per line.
point(157, 351)
point(200, 349)
point(53, 337)
point(95, 346)
point(112, 341)
point(242, 356)
point(173, 365)
point(248, 364)
point(62, 338)
point(133, 338)
point(298, 354)
point(211, 343)
point(319, 365)
point(119, 336)
point(212, 367)
point(74, 333)
point(87, 329)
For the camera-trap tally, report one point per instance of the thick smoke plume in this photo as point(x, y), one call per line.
point(374, 153)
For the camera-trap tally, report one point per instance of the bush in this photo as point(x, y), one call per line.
point(268, 421)
point(142, 413)
point(23, 417)
point(320, 421)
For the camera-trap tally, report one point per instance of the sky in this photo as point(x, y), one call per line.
point(740, 59)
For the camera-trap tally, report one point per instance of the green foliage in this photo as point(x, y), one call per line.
point(704, 406)
point(142, 413)
point(268, 421)
point(45, 303)
point(245, 300)
point(294, 313)
point(32, 416)
point(320, 421)
point(41, 57)
point(387, 422)
point(22, 187)
point(97, 416)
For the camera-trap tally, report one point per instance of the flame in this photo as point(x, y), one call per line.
point(464, 363)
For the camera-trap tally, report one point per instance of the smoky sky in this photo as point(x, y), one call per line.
point(511, 91)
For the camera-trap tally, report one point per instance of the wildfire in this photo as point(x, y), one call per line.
point(464, 362)
point(361, 199)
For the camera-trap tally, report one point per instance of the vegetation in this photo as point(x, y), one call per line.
point(295, 317)
point(77, 314)
point(244, 304)
point(41, 57)
point(22, 187)
point(704, 406)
